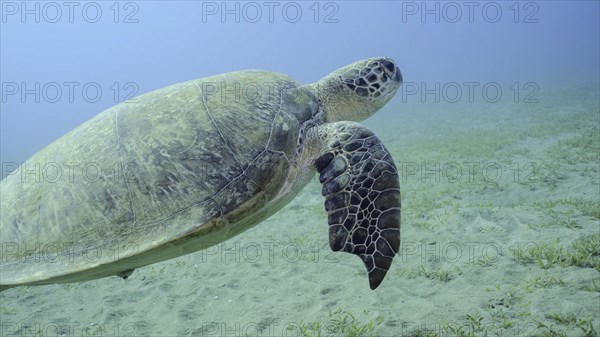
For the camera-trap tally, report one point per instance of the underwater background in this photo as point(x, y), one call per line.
point(495, 132)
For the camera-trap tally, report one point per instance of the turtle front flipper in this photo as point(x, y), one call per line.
point(362, 192)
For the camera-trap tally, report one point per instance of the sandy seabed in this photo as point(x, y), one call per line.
point(500, 237)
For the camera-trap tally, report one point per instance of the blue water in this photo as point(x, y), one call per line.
point(505, 86)
point(71, 51)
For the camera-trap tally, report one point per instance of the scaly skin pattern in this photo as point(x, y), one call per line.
point(362, 195)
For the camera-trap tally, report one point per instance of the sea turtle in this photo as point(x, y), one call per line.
point(190, 165)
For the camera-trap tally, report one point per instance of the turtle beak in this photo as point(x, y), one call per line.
point(398, 76)
point(392, 70)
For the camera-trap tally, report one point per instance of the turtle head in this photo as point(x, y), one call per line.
point(357, 91)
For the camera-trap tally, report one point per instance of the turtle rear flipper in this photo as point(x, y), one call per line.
point(126, 273)
point(362, 196)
